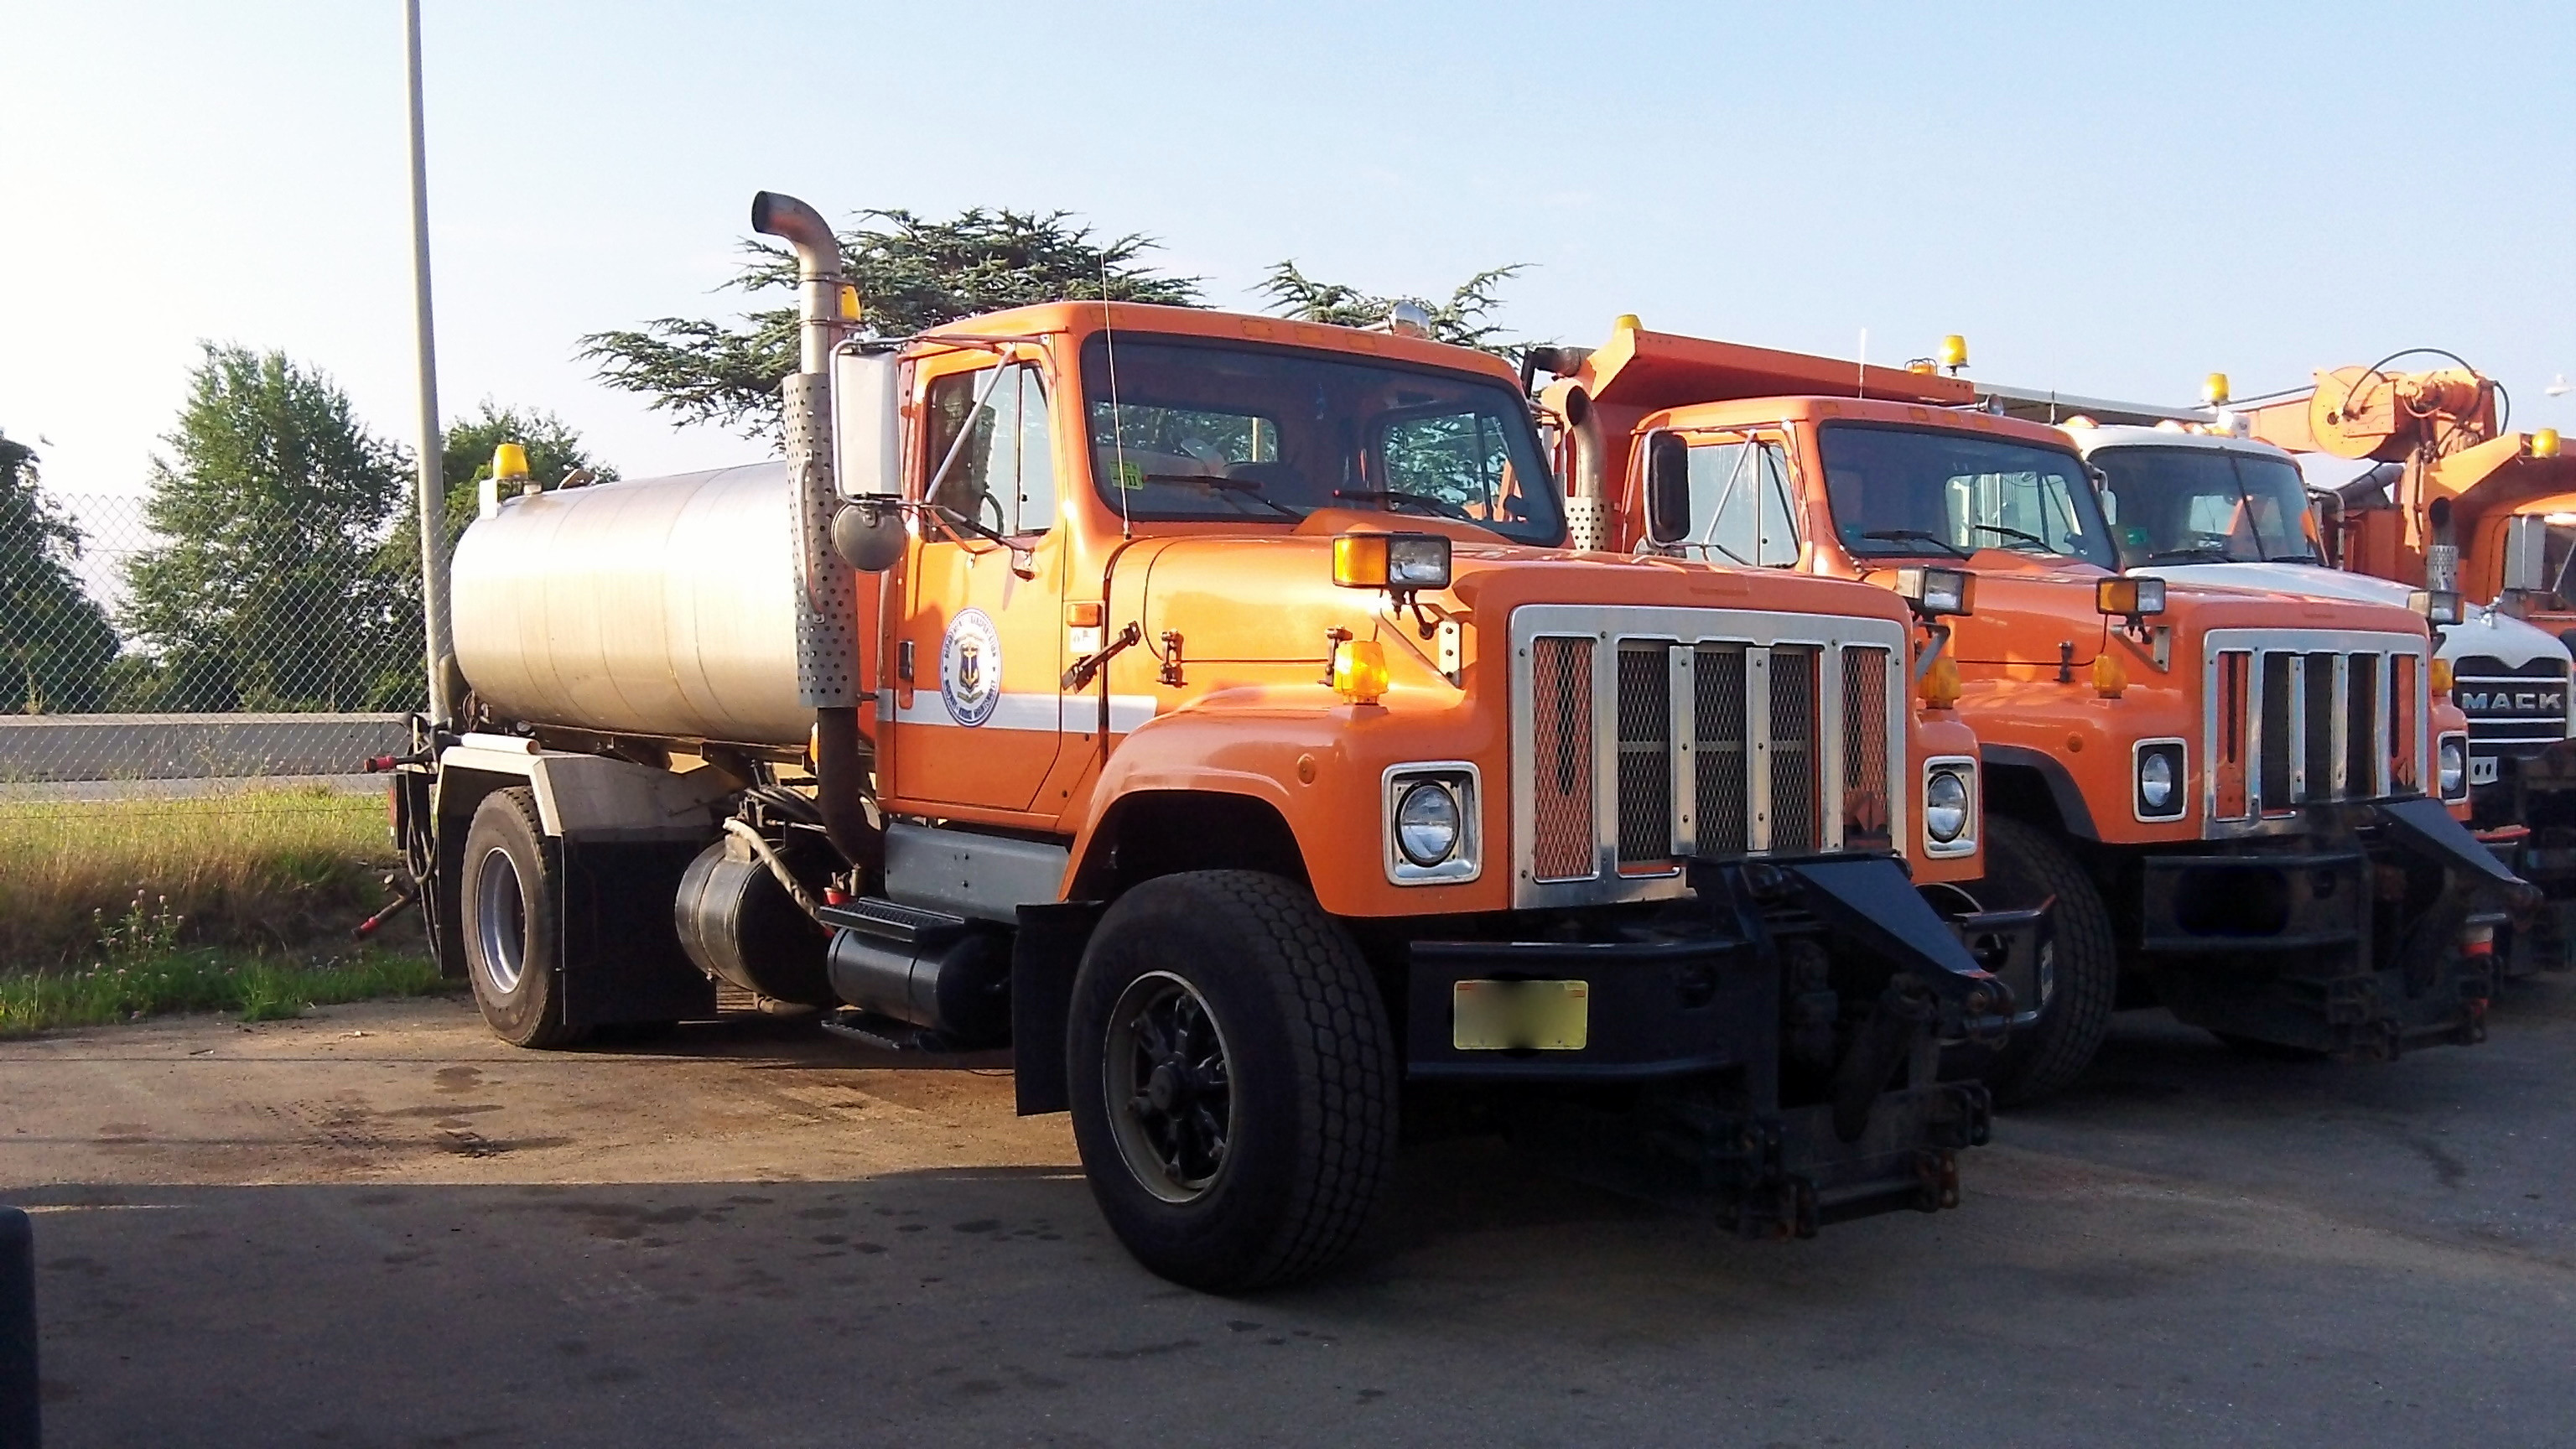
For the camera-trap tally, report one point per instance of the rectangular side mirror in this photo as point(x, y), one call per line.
point(867, 428)
point(1667, 489)
point(2526, 553)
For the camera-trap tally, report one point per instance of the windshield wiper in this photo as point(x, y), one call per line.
point(1219, 483)
point(2012, 533)
point(2204, 552)
point(1440, 507)
point(1916, 535)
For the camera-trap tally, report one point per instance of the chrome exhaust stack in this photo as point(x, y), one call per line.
point(827, 646)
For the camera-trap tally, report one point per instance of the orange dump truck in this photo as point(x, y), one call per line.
point(1204, 707)
point(2221, 789)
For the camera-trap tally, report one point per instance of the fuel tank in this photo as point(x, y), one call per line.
point(653, 606)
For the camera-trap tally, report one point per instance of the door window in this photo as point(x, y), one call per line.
point(1003, 477)
point(1739, 503)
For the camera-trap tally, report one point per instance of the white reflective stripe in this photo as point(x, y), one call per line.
point(1024, 711)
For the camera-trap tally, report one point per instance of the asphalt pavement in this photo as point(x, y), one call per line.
point(375, 1226)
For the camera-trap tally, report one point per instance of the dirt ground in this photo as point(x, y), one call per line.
point(377, 1225)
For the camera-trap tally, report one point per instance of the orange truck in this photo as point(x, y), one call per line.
point(2197, 497)
point(1205, 707)
point(2459, 500)
point(2221, 789)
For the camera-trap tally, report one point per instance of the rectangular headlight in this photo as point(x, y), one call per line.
point(1935, 591)
point(2440, 607)
point(1401, 561)
point(2130, 598)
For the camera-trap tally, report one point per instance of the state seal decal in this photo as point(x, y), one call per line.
point(970, 668)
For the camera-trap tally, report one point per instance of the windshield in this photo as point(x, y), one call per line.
point(1191, 432)
point(1907, 492)
point(2206, 505)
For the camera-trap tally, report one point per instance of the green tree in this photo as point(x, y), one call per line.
point(55, 641)
point(1462, 319)
point(274, 507)
point(911, 273)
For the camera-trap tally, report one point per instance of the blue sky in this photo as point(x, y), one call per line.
point(2109, 201)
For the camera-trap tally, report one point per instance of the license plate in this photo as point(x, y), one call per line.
point(1494, 1016)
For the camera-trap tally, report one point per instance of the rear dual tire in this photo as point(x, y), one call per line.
point(1233, 1080)
point(513, 933)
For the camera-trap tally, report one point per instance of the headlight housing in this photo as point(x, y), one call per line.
point(1431, 832)
point(1949, 806)
point(2160, 778)
point(2451, 766)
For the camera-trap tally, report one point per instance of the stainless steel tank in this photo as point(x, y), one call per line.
point(656, 606)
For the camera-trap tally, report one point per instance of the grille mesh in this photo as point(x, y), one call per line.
point(1796, 825)
point(1725, 807)
point(1865, 807)
point(1561, 764)
point(1645, 754)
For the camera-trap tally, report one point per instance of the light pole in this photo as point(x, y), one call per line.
point(433, 460)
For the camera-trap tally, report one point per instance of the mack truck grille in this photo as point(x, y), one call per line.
point(2512, 711)
point(2298, 717)
point(1645, 738)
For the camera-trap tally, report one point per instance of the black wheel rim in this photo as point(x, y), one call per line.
point(1169, 1087)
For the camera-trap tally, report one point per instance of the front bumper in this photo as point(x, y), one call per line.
point(2330, 949)
point(1692, 1009)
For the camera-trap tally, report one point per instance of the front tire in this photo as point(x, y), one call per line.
point(1233, 1079)
point(513, 938)
point(2025, 867)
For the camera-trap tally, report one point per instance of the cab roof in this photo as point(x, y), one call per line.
point(1077, 321)
point(2125, 435)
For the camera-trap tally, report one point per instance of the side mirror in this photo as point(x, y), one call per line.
point(866, 422)
point(867, 533)
point(2526, 553)
point(1667, 489)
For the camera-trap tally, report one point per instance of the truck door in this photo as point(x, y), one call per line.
point(979, 651)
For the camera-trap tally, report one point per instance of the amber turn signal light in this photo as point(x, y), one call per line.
point(1403, 562)
point(2442, 677)
point(1940, 686)
point(1359, 671)
point(2130, 598)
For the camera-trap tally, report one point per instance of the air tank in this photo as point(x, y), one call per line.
point(654, 606)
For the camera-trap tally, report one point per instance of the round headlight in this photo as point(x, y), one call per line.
point(2156, 780)
point(2455, 766)
point(1945, 806)
point(1426, 824)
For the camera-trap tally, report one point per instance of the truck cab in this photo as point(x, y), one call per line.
point(2223, 789)
point(1206, 707)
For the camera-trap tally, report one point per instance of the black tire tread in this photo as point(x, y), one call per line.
point(2057, 1048)
point(550, 1033)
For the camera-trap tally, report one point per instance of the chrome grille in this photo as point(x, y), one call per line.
point(1726, 733)
point(2512, 711)
point(2335, 715)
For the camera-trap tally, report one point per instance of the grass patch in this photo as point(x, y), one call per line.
point(256, 870)
point(204, 978)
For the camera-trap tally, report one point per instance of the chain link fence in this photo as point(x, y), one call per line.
point(252, 660)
